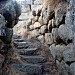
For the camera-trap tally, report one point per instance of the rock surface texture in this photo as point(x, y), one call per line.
point(52, 24)
point(33, 59)
point(9, 14)
point(45, 44)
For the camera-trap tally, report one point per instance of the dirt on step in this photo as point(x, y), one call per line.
point(50, 67)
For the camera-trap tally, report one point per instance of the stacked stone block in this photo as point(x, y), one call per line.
point(27, 6)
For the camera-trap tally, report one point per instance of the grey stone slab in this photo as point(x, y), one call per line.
point(23, 44)
point(33, 59)
point(28, 68)
point(27, 51)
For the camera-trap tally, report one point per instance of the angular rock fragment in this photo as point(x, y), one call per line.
point(49, 38)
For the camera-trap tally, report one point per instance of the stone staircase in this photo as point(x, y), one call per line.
point(32, 62)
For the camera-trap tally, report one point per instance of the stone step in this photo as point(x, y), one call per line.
point(33, 59)
point(28, 68)
point(20, 45)
point(27, 51)
point(19, 40)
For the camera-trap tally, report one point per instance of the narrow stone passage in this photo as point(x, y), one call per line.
point(34, 58)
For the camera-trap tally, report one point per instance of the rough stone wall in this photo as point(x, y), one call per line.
point(26, 7)
point(55, 27)
point(9, 13)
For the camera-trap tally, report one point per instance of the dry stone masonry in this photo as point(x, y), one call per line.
point(47, 45)
point(26, 7)
point(53, 24)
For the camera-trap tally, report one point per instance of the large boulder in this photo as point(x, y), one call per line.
point(69, 54)
point(72, 68)
point(59, 49)
point(11, 11)
point(63, 33)
point(60, 12)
